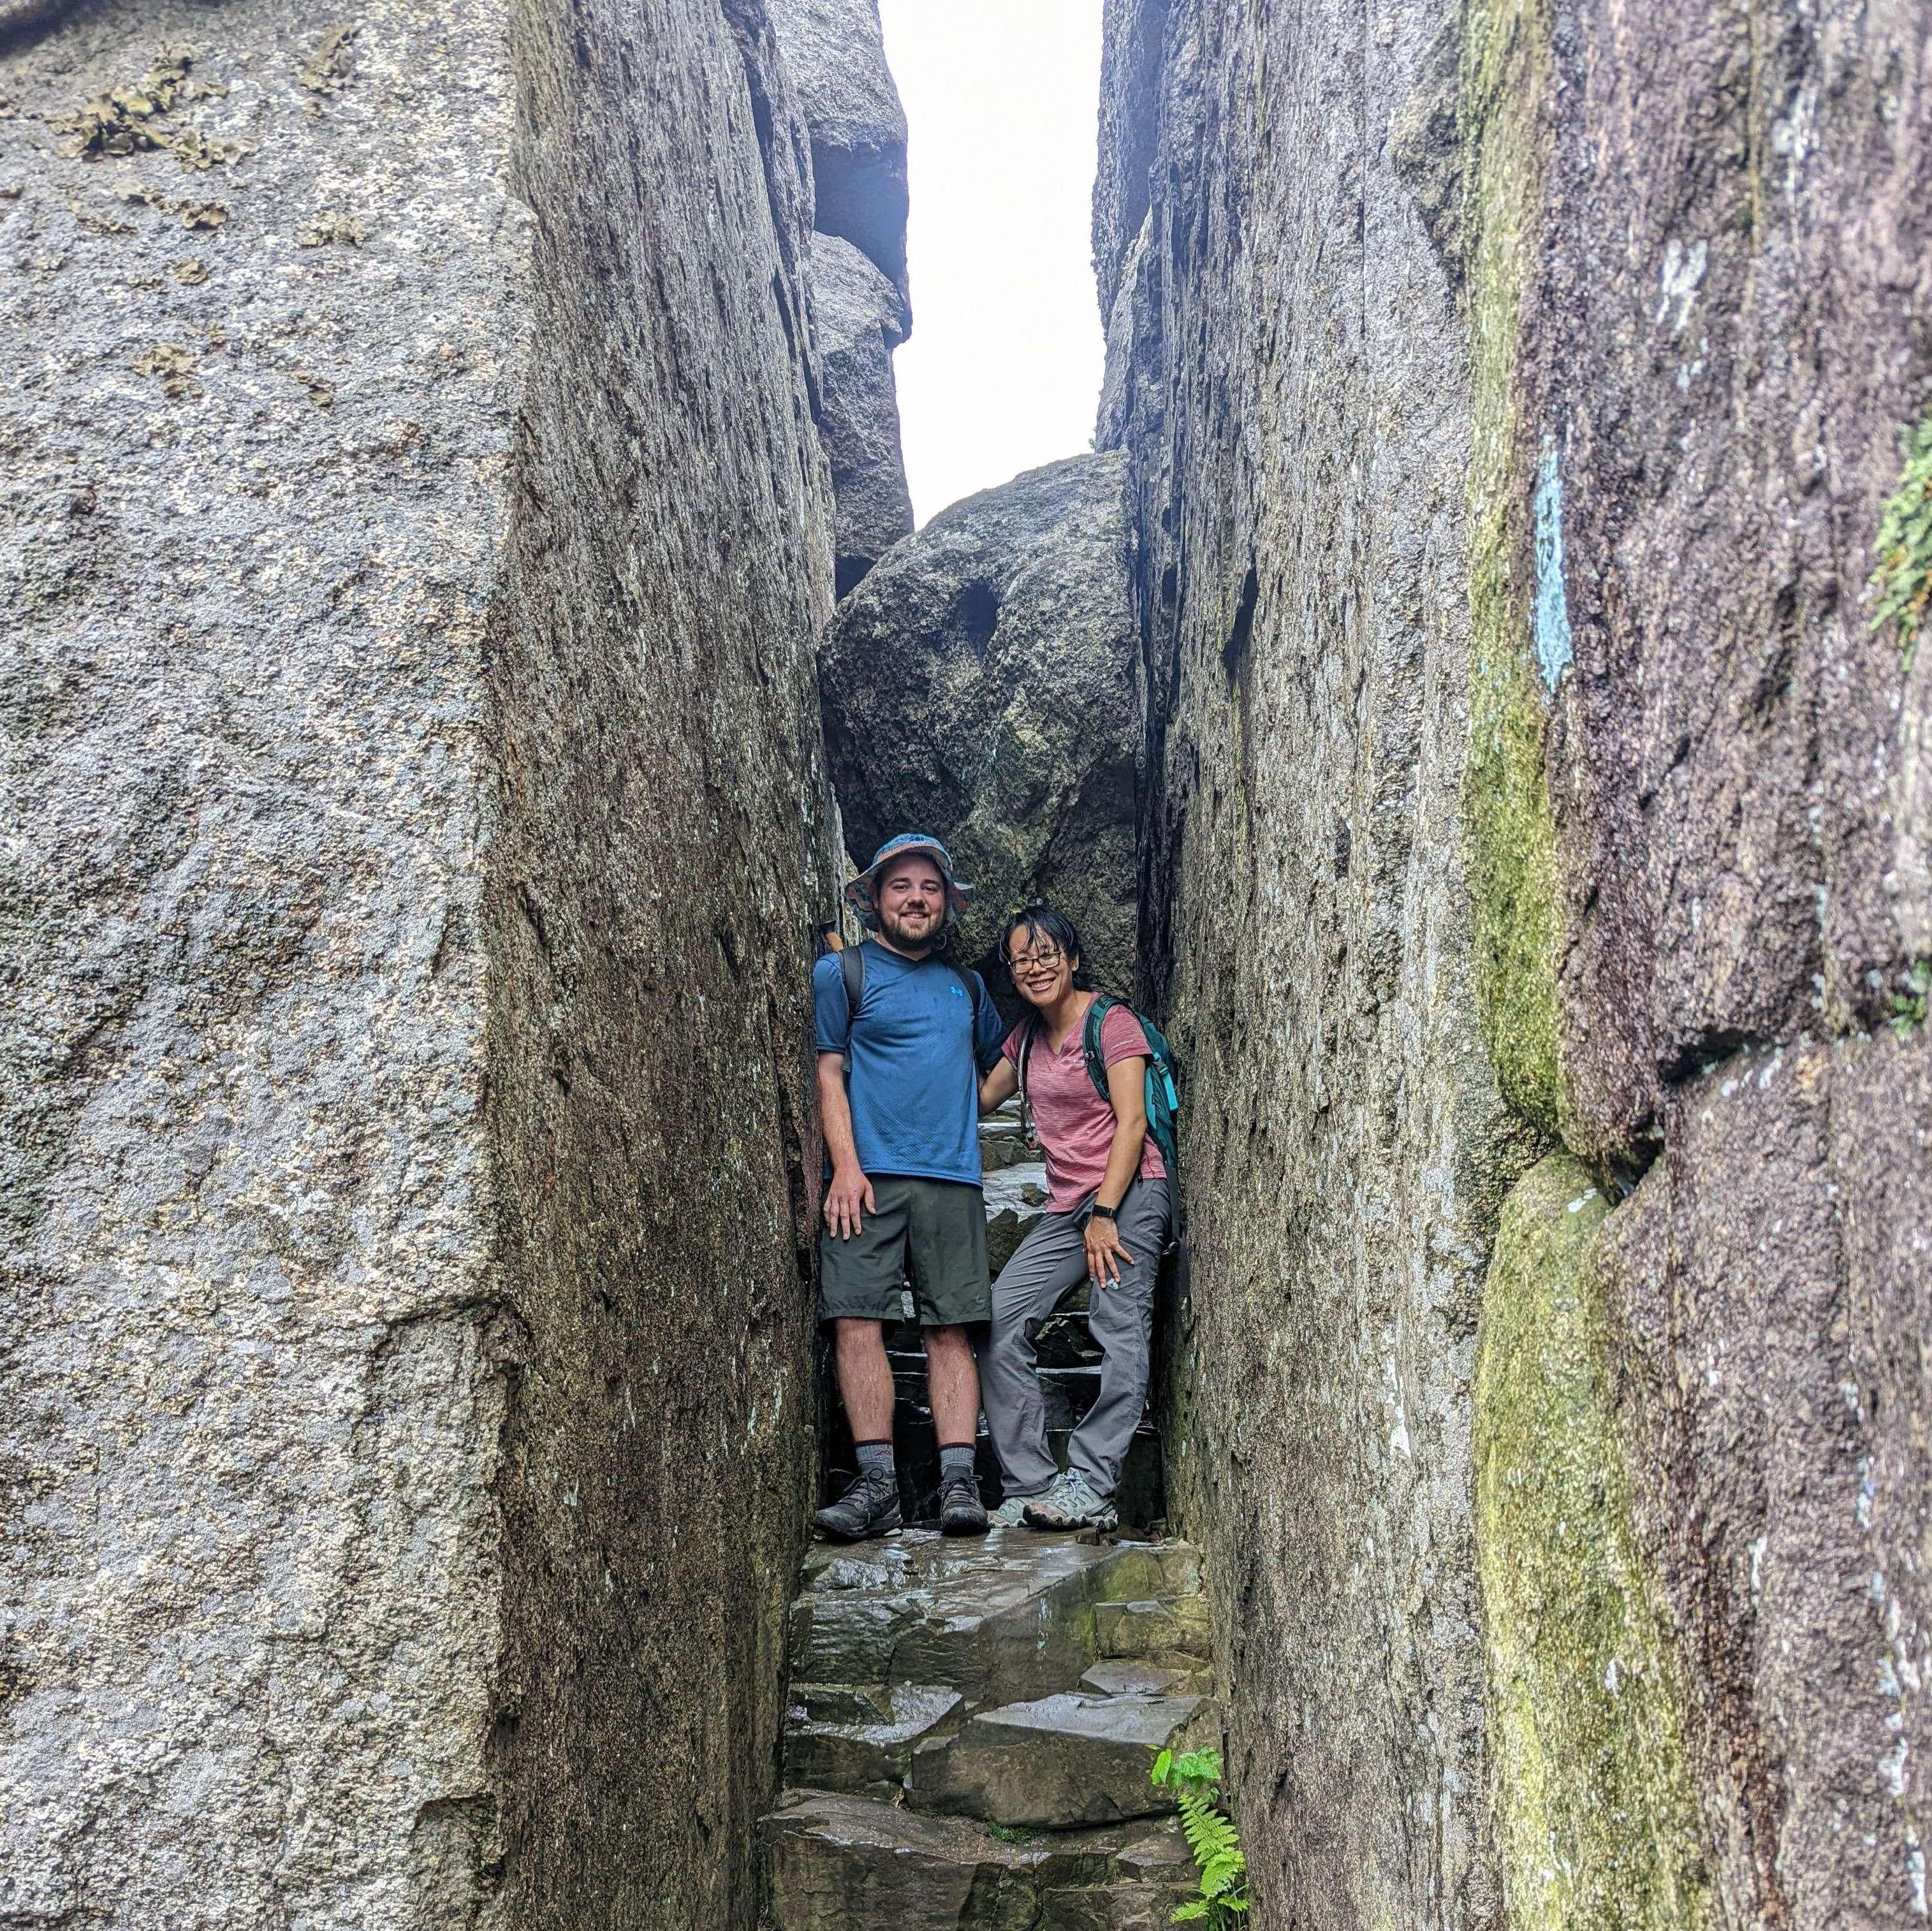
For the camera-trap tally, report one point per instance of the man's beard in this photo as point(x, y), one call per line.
point(894, 929)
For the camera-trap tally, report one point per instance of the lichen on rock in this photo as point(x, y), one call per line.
point(1511, 837)
point(1598, 1824)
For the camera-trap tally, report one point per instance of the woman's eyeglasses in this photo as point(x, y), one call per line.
point(1026, 964)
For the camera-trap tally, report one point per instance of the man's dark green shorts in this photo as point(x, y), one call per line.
point(932, 1233)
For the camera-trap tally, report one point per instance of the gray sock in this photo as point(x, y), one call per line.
point(874, 1455)
point(958, 1460)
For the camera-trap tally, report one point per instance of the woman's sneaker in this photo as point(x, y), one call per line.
point(870, 1507)
point(1010, 1513)
point(960, 1510)
point(1070, 1504)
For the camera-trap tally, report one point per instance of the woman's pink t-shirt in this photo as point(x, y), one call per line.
point(1076, 1124)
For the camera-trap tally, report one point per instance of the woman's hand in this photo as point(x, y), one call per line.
point(1105, 1254)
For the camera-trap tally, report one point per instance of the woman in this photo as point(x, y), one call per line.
point(1108, 1205)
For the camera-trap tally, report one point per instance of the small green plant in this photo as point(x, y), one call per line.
point(1195, 1778)
point(1011, 1833)
point(1901, 578)
point(1908, 1008)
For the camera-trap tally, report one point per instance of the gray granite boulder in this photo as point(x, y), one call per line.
point(979, 685)
point(836, 56)
point(860, 318)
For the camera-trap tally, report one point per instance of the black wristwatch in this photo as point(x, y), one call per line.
point(1100, 1213)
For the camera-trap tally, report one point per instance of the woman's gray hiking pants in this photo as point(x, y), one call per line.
point(1051, 1262)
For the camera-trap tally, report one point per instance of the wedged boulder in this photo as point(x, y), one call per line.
point(1133, 32)
point(836, 56)
point(1129, 413)
point(860, 318)
point(979, 685)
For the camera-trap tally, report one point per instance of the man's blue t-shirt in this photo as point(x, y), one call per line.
point(914, 1084)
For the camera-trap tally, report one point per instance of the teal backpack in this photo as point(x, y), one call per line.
point(1163, 1073)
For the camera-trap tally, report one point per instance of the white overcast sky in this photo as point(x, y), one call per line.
point(1002, 370)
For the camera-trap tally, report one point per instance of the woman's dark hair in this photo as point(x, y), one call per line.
point(1044, 922)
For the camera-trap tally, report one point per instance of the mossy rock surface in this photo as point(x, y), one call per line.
point(1509, 833)
point(1596, 1825)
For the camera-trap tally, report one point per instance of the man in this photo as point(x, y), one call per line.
point(898, 1086)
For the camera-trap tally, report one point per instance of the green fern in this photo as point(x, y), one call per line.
point(1221, 1892)
point(1909, 1007)
point(1901, 577)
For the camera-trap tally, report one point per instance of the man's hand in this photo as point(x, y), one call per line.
point(1105, 1254)
point(849, 1191)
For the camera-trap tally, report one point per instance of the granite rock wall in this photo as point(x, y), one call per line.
point(414, 536)
point(1521, 398)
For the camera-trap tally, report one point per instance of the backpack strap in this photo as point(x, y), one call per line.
point(1031, 1032)
point(1090, 1043)
point(852, 968)
point(975, 991)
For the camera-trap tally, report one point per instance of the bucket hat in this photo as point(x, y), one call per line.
point(858, 893)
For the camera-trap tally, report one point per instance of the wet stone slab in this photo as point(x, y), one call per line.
point(860, 1740)
point(1056, 1762)
point(1130, 1679)
point(1153, 1630)
point(839, 1863)
point(1000, 1618)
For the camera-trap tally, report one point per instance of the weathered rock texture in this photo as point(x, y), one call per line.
point(1513, 395)
point(413, 508)
point(860, 319)
point(835, 57)
point(978, 685)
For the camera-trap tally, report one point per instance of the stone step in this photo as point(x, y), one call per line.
point(1016, 1197)
point(838, 1737)
point(1133, 1679)
point(841, 1863)
point(1005, 1152)
point(1066, 1339)
point(1058, 1762)
point(1172, 1630)
point(1000, 1618)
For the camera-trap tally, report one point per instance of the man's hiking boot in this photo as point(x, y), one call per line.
point(1070, 1504)
point(870, 1507)
point(960, 1510)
